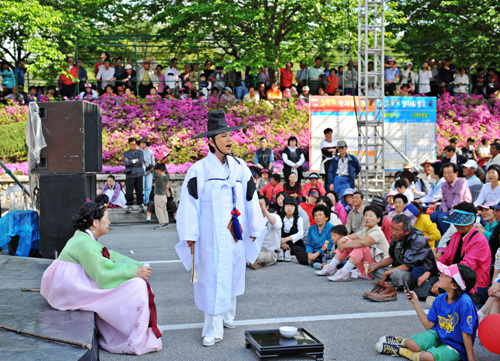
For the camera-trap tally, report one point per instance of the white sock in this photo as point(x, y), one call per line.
point(333, 264)
point(348, 267)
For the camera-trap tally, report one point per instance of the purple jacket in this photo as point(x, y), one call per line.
point(117, 189)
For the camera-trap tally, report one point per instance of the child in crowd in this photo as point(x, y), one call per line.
point(318, 236)
point(161, 185)
point(204, 87)
point(451, 323)
point(338, 232)
point(390, 201)
point(402, 188)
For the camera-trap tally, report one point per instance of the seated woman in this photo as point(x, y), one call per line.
point(401, 206)
point(318, 236)
point(424, 223)
point(292, 233)
point(88, 277)
point(114, 191)
point(367, 245)
point(326, 201)
point(292, 187)
point(338, 208)
point(346, 200)
point(491, 190)
point(488, 215)
point(314, 183)
point(278, 206)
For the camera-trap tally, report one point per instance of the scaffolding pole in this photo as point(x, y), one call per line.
point(370, 118)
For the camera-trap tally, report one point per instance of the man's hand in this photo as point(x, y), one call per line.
point(190, 243)
point(435, 289)
point(126, 159)
point(387, 274)
point(372, 268)
point(143, 272)
point(423, 278)
point(253, 239)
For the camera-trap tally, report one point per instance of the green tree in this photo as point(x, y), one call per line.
point(466, 30)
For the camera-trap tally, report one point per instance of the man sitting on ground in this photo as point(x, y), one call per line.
point(355, 220)
point(268, 255)
point(408, 249)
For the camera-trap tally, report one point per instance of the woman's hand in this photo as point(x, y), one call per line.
point(296, 166)
point(144, 273)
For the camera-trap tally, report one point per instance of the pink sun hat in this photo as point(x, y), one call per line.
point(453, 272)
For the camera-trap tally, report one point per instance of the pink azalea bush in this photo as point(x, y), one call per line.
point(170, 125)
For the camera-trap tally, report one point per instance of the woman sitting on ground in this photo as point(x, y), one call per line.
point(429, 228)
point(318, 235)
point(292, 233)
point(88, 277)
point(326, 201)
point(401, 206)
point(367, 245)
point(488, 215)
point(338, 208)
point(114, 191)
point(292, 187)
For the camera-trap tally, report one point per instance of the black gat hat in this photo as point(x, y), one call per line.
point(217, 124)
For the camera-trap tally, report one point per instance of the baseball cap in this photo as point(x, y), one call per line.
point(470, 164)
point(313, 192)
point(486, 205)
point(306, 88)
point(341, 143)
point(313, 176)
point(495, 206)
point(88, 85)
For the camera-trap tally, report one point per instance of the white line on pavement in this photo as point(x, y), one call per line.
point(264, 321)
point(170, 261)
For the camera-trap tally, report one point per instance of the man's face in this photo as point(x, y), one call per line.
point(146, 66)
point(447, 62)
point(71, 61)
point(449, 154)
point(454, 145)
point(263, 144)
point(497, 215)
point(327, 65)
point(328, 136)
point(21, 65)
point(118, 62)
point(494, 151)
point(80, 63)
point(342, 150)
point(397, 231)
point(224, 141)
point(468, 172)
point(449, 175)
point(133, 146)
point(20, 87)
point(106, 65)
point(174, 64)
point(357, 200)
point(370, 66)
point(317, 62)
point(302, 66)
point(143, 145)
point(427, 168)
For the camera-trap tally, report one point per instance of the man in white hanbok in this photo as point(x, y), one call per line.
point(213, 188)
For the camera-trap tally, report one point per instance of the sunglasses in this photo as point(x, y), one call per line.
point(340, 147)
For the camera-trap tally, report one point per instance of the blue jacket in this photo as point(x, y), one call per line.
point(352, 165)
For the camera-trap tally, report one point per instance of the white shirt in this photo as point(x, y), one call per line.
point(342, 169)
point(409, 194)
point(488, 195)
point(288, 224)
point(272, 239)
point(287, 161)
point(494, 160)
point(171, 76)
point(106, 74)
point(483, 150)
point(464, 80)
point(325, 144)
point(424, 81)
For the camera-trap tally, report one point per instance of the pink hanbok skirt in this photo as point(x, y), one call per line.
point(122, 312)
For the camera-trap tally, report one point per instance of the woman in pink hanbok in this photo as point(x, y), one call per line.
point(88, 277)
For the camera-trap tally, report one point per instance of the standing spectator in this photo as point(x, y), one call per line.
point(492, 81)
point(446, 77)
point(20, 71)
point(82, 76)
point(480, 87)
point(455, 190)
point(161, 79)
point(218, 78)
point(130, 81)
point(69, 78)
point(302, 77)
point(391, 76)
point(268, 255)
point(133, 160)
point(461, 82)
point(264, 156)
point(293, 159)
point(149, 163)
point(274, 93)
point(9, 80)
point(207, 71)
point(120, 72)
point(185, 78)
point(193, 78)
point(495, 154)
point(424, 79)
point(355, 217)
point(483, 151)
point(160, 199)
point(103, 56)
point(332, 82)
point(252, 97)
point(271, 189)
point(315, 76)
point(264, 77)
point(343, 170)
point(408, 75)
point(106, 75)
point(146, 76)
point(350, 79)
point(286, 80)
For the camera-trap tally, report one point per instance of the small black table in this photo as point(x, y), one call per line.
point(270, 343)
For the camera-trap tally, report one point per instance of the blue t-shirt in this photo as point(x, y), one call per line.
point(451, 319)
point(316, 240)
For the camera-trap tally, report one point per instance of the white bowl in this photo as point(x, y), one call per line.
point(288, 331)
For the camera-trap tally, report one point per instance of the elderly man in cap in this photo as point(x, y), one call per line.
point(149, 163)
point(146, 76)
point(409, 249)
point(391, 76)
point(495, 154)
point(305, 94)
point(469, 172)
point(467, 246)
point(220, 226)
point(129, 82)
point(343, 170)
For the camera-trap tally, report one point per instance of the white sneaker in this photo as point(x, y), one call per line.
point(209, 339)
point(340, 276)
point(326, 271)
point(287, 257)
point(429, 300)
point(228, 324)
point(280, 256)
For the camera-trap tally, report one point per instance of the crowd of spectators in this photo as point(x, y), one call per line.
point(116, 77)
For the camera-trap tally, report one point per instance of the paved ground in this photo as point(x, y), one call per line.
point(285, 294)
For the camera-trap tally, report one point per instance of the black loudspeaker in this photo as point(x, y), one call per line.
point(73, 133)
point(61, 195)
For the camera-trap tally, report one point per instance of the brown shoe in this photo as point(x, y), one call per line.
point(378, 287)
point(389, 293)
point(255, 265)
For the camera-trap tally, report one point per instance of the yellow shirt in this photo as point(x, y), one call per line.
point(429, 228)
point(146, 80)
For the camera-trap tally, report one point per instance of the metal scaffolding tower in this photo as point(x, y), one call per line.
point(370, 118)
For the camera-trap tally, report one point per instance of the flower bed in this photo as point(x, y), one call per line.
point(170, 125)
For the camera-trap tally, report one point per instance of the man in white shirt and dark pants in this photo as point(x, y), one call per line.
point(268, 255)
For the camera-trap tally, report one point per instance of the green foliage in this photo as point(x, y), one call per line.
point(13, 146)
point(466, 30)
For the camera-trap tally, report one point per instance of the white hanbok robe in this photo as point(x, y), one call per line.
point(203, 216)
